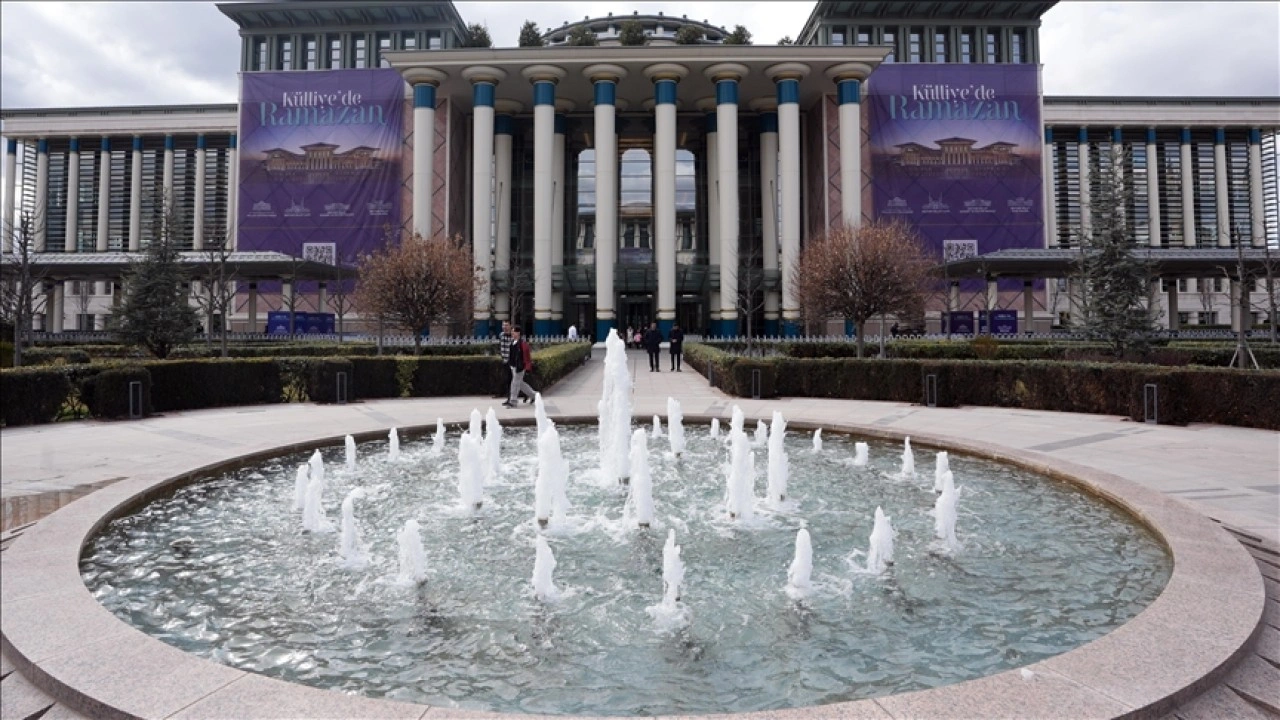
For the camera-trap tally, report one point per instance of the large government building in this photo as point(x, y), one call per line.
point(675, 181)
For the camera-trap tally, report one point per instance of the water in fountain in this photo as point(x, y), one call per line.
point(670, 614)
point(317, 466)
point(615, 411)
point(908, 460)
point(861, 454)
point(657, 426)
point(470, 471)
point(540, 413)
point(675, 427)
point(351, 453)
point(393, 445)
point(354, 555)
point(641, 499)
point(313, 519)
point(779, 469)
point(942, 465)
point(817, 440)
point(741, 473)
point(437, 442)
point(544, 565)
point(798, 583)
point(413, 558)
point(492, 448)
point(476, 428)
point(715, 429)
point(550, 496)
point(737, 421)
point(762, 434)
point(301, 479)
point(944, 512)
point(880, 554)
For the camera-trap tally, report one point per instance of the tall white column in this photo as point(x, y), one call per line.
point(484, 85)
point(424, 82)
point(10, 194)
point(1153, 188)
point(1222, 186)
point(135, 196)
point(197, 221)
point(104, 195)
point(768, 119)
point(1258, 231)
point(604, 79)
point(1188, 191)
point(233, 193)
point(71, 244)
point(666, 78)
point(503, 127)
point(558, 181)
point(58, 310)
point(42, 194)
point(1086, 188)
point(712, 142)
point(544, 79)
point(1050, 202)
point(725, 76)
point(167, 177)
point(848, 78)
point(787, 77)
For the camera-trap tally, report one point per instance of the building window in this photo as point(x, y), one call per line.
point(286, 54)
point(1184, 319)
point(335, 53)
point(361, 53)
point(259, 54)
point(915, 45)
point(1182, 285)
point(888, 37)
point(434, 41)
point(966, 45)
point(686, 235)
point(940, 46)
point(837, 36)
point(384, 46)
point(992, 42)
point(587, 240)
point(312, 54)
point(409, 41)
point(863, 37)
point(1018, 47)
point(1207, 317)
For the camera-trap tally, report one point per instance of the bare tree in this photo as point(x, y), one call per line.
point(1270, 299)
point(217, 277)
point(20, 280)
point(751, 290)
point(416, 283)
point(861, 272)
point(340, 295)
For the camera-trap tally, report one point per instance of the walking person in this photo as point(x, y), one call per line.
point(520, 360)
point(653, 343)
point(504, 349)
point(677, 348)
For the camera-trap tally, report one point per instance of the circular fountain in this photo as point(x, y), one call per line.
point(784, 598)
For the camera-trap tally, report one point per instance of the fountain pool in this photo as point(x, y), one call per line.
point(224, 570)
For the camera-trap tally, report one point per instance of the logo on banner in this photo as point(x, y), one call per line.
point(297, 210)
point(336, 210)
point(262, 209)
point(953, 250)
point(1021, 205)
point(976, 205)
point(378, 208)
point(326, 253)
point(897, 206)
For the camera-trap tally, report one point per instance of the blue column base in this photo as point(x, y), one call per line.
point(729, 327)
point(849, 329)
point(544, 327)
point(790, 328)
point(481, 328)
point(602, 330)
point(772, 328)
point(664, 327)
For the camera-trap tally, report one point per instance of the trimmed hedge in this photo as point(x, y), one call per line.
point(195, 384)
point(382, 377)
point(106, 393)
point(55, 356)
point(32, 395)
point(322, 380)
point(1206, 395)
point(6, 354)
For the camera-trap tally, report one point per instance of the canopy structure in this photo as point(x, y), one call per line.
point(1165, 262)
point(243, 265)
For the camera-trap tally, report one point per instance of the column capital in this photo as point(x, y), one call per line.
point(726, 71)
point(1117, 135)
point(508, 107)
point(848, 71)
point(42, 146)
point(666, 71)
point(169, 142)
point(11, 146)
point(1151, 136)
point(484, 74)
point(106, 144)
point(565, 105)
point(787, 71)
point(764, 104)
point(604, 72)
point(74, 144)
point(651, 103)
point(707, 104)
point(1255, 136)
point(543, 73)
point(137, 143)
point(424, 76)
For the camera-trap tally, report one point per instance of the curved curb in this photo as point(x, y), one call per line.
point(1205, 619)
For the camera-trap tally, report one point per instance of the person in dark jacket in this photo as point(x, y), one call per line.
point(677, 348)
point(653, 343)
point(520, 360)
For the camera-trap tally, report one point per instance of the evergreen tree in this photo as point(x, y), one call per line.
point(530, 35)
point(631, 32)
point(155, 312)
point(688, 35)
point(581, 36)
point(477, 37)
point(786, 40)
point(739, 36)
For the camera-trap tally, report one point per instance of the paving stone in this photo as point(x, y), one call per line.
point(1269, 644)
point(1257, 680)
point(1218, 703)
point(20, 699)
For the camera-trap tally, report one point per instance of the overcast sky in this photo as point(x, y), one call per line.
point(66, 54)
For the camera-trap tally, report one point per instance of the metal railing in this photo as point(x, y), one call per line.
point(396, 340)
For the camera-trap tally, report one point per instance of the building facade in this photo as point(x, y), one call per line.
point(613, 186)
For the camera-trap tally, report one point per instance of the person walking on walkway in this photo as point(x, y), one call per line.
point(677, 348)
point(520, 360)
point(504, 349)
point(653, 343)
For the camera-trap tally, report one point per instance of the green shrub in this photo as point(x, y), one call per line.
point(552, 363)
point(379, 377)
point(55, 356)
point(6, 354)
point(194, 384)
point(106, 394)
point(322, 380)
point(439, 376)
point(32, 395)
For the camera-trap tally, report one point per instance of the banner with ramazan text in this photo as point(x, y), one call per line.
point(955, 152)
point(320, 161)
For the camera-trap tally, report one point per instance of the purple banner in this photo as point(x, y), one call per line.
point(320, 155)
point(955, 152)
